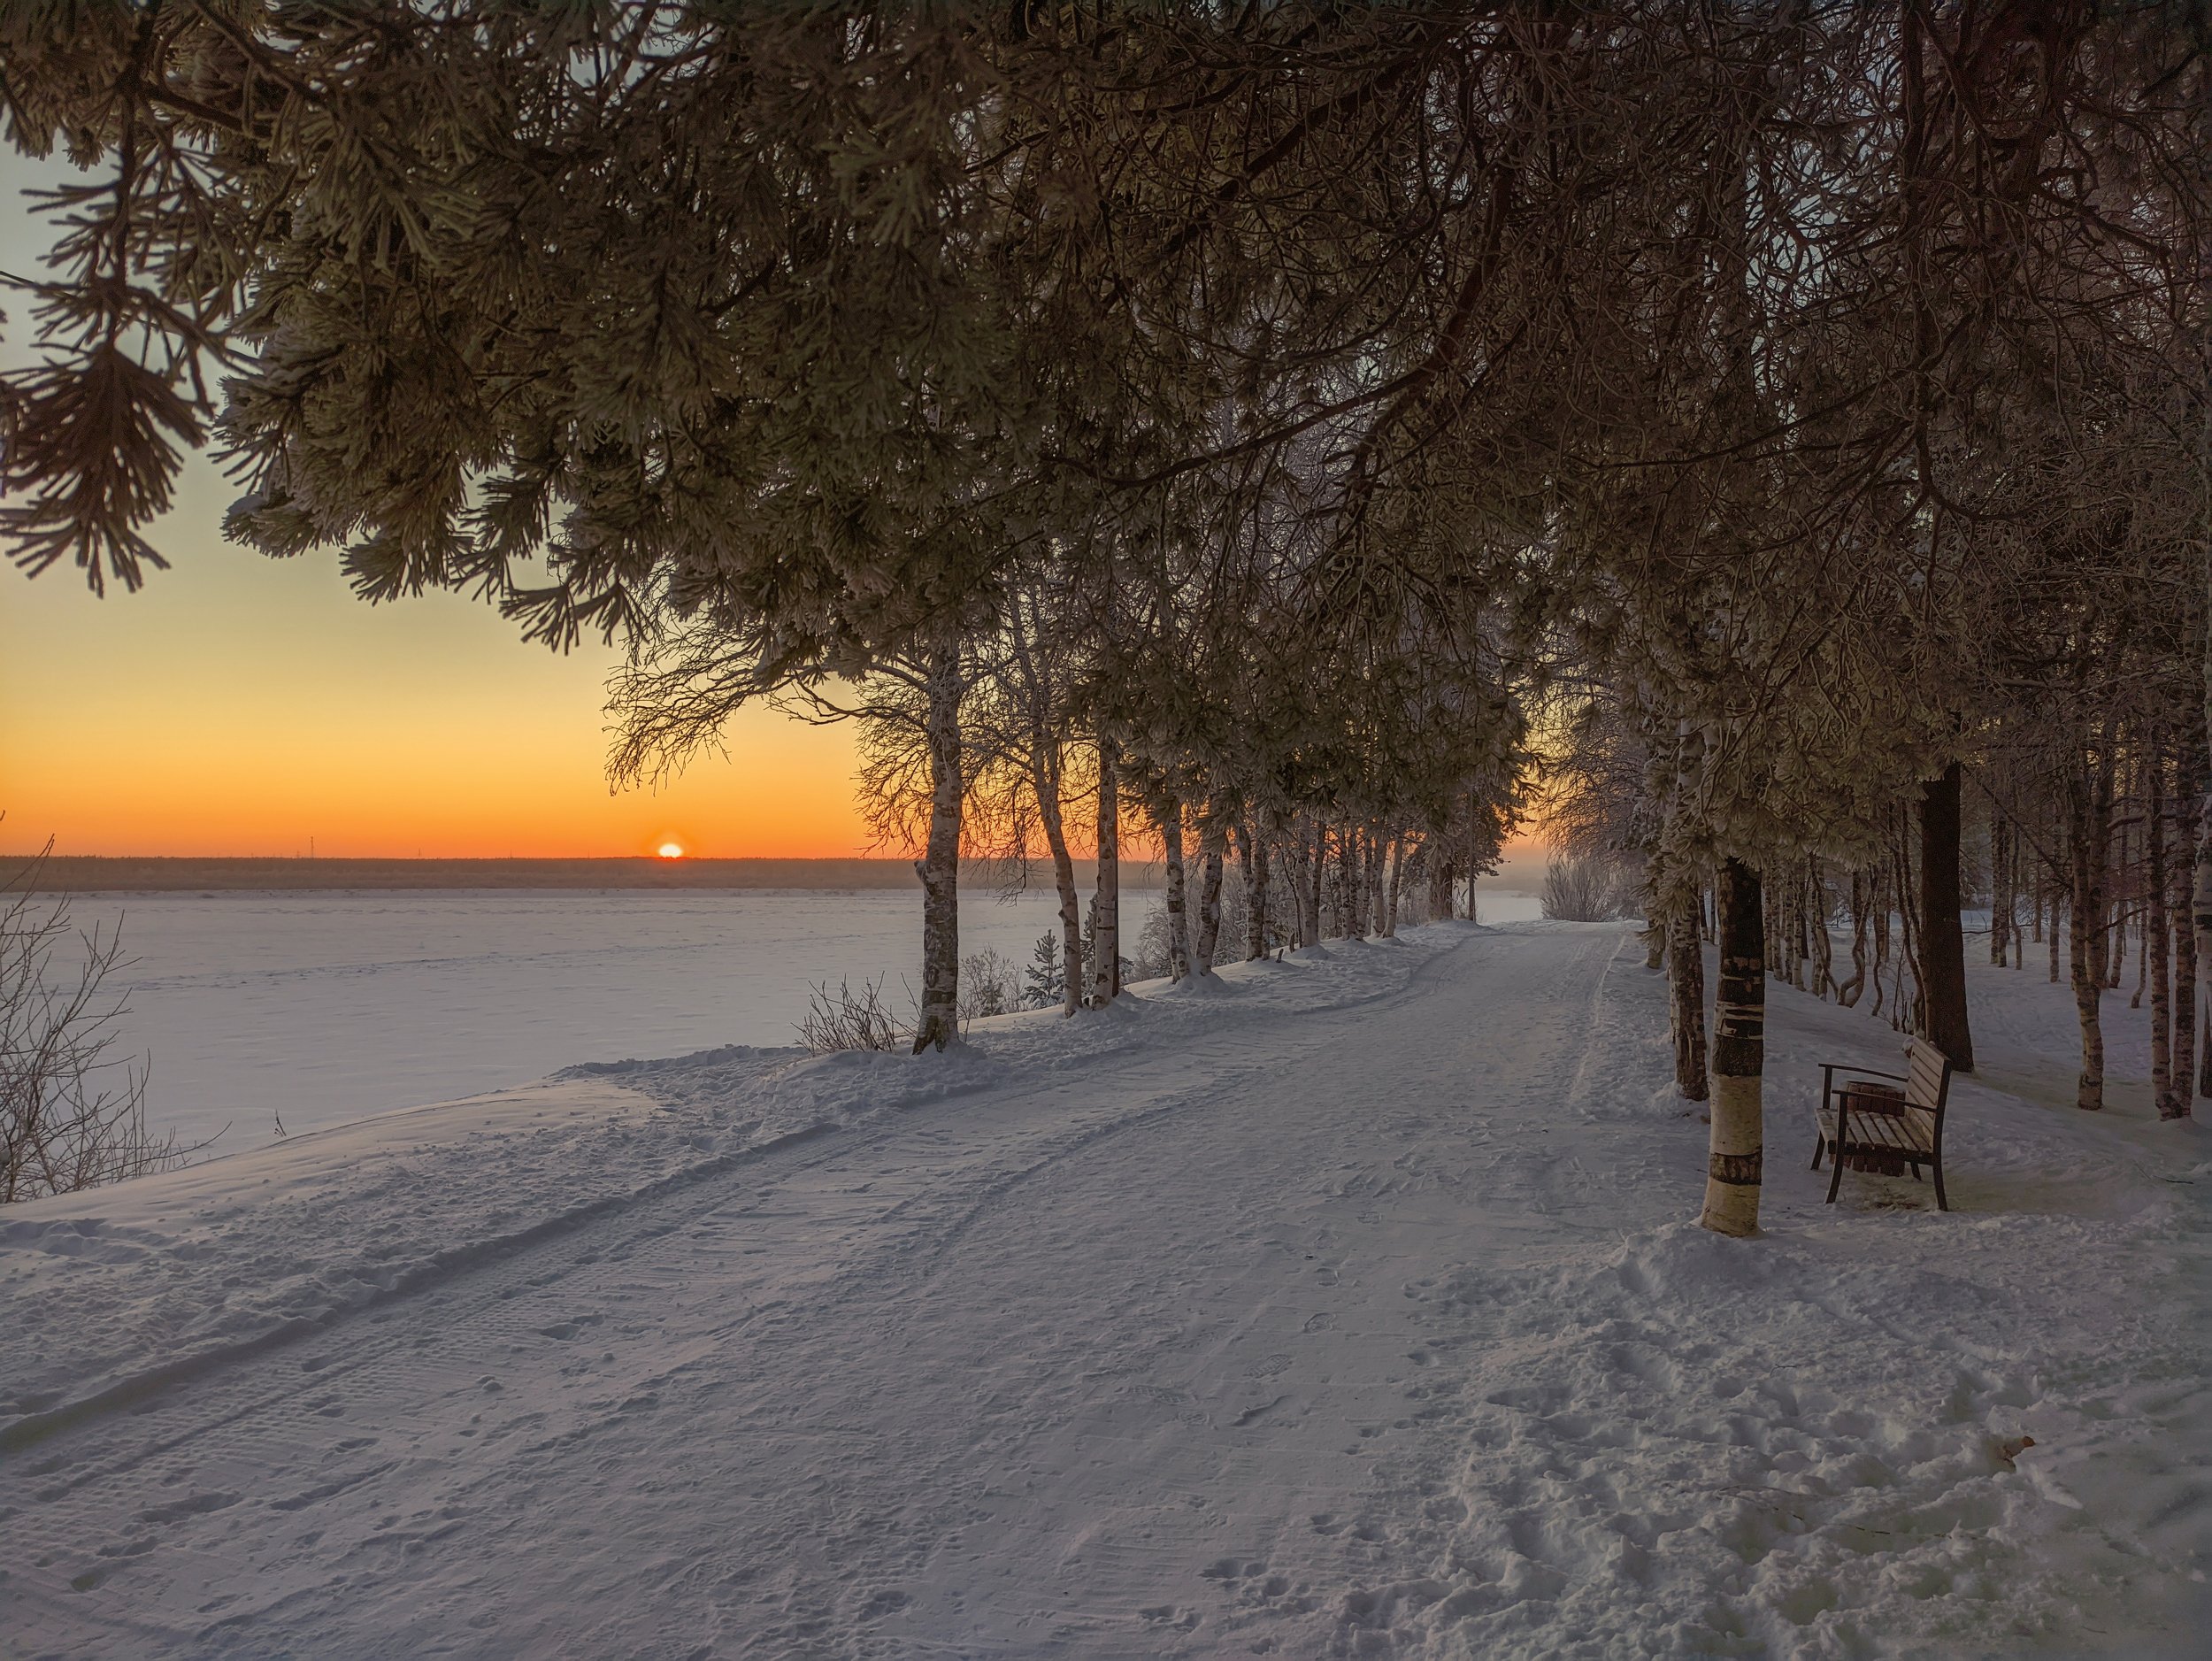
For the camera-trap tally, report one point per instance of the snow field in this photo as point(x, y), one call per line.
point(1350, 1310)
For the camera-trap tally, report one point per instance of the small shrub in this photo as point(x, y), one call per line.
point(73, 1114)
point(1588, 889)
point(846, 1019)
point(988, 985)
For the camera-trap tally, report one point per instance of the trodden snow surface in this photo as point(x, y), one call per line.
point(1344, 1306)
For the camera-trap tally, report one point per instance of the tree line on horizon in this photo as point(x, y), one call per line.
point(1297, 435)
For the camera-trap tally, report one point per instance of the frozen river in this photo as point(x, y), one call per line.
point(318, 1008)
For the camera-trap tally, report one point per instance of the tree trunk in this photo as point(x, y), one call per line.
point(1817, 921)
point(2115, 944)
point(1303, 875)
point(1878, 901)
point(1106, 908)
point(939, 868)
point(1685, 998)
point(2052, 932)
point(1736, 1149)
point(1170, 822)
point(2000, 892)
point(1320, 874)
point(1047, 780)
point(1378, 853)
point(1397, 878)
point(2200, 933)
point(2185, 1010)
point(1942, 939)
point(1211, 835)
point(1848, 993)
point(2087, 939)
point(1903, 1016)
point(1349, 890)
point(2154, 933)
point(1255, 894)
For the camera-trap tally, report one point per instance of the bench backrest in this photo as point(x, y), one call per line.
point(1928, 1084)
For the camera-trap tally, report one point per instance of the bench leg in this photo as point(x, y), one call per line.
point(1820, 1146)
point(1942, 1204)
point(1835, 1183)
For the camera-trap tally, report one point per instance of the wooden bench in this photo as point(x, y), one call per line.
point(1896, 1128)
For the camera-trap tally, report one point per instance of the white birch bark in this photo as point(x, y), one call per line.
point(1397, 878)
point(1178, 915)
point(1047, 781)
point(1309, 925)
point(1212, 836)
point(1736, 1148)
point(1254, 892)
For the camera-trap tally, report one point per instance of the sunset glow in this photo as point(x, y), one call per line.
point(672, 850)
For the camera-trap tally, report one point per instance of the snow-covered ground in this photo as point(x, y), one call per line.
point(313, 1009)
point(309, 1009)
point(1347, 1308)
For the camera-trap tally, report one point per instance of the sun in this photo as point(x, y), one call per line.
point(672, 850)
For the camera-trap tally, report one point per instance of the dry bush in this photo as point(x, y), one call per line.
point(73, 1113)
point(846, 1019)
point(1588, 889)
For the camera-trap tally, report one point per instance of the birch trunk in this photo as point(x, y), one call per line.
point(1047, 781)
point(1397, 876)
point(1737, 1147)
point(1686, 992)
point(1299, 872)
point(939, 867)
point(1317, 873)
point(1376, 852)
point(1106, 907)
point(1255, 896)
point(1211, 835)
point(1349, 891)
point(1177, 917)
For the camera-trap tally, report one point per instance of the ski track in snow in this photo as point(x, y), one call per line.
point(1349, 1313)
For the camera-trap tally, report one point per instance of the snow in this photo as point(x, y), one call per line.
point(312, 1009)
point(309, 1009)
point(1346, 1309)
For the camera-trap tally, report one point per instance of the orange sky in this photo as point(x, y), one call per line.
point(238, 705)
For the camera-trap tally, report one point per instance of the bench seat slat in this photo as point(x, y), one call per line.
point(1904, 1133)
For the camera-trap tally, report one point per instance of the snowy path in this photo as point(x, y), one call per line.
point(1368, 1330)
